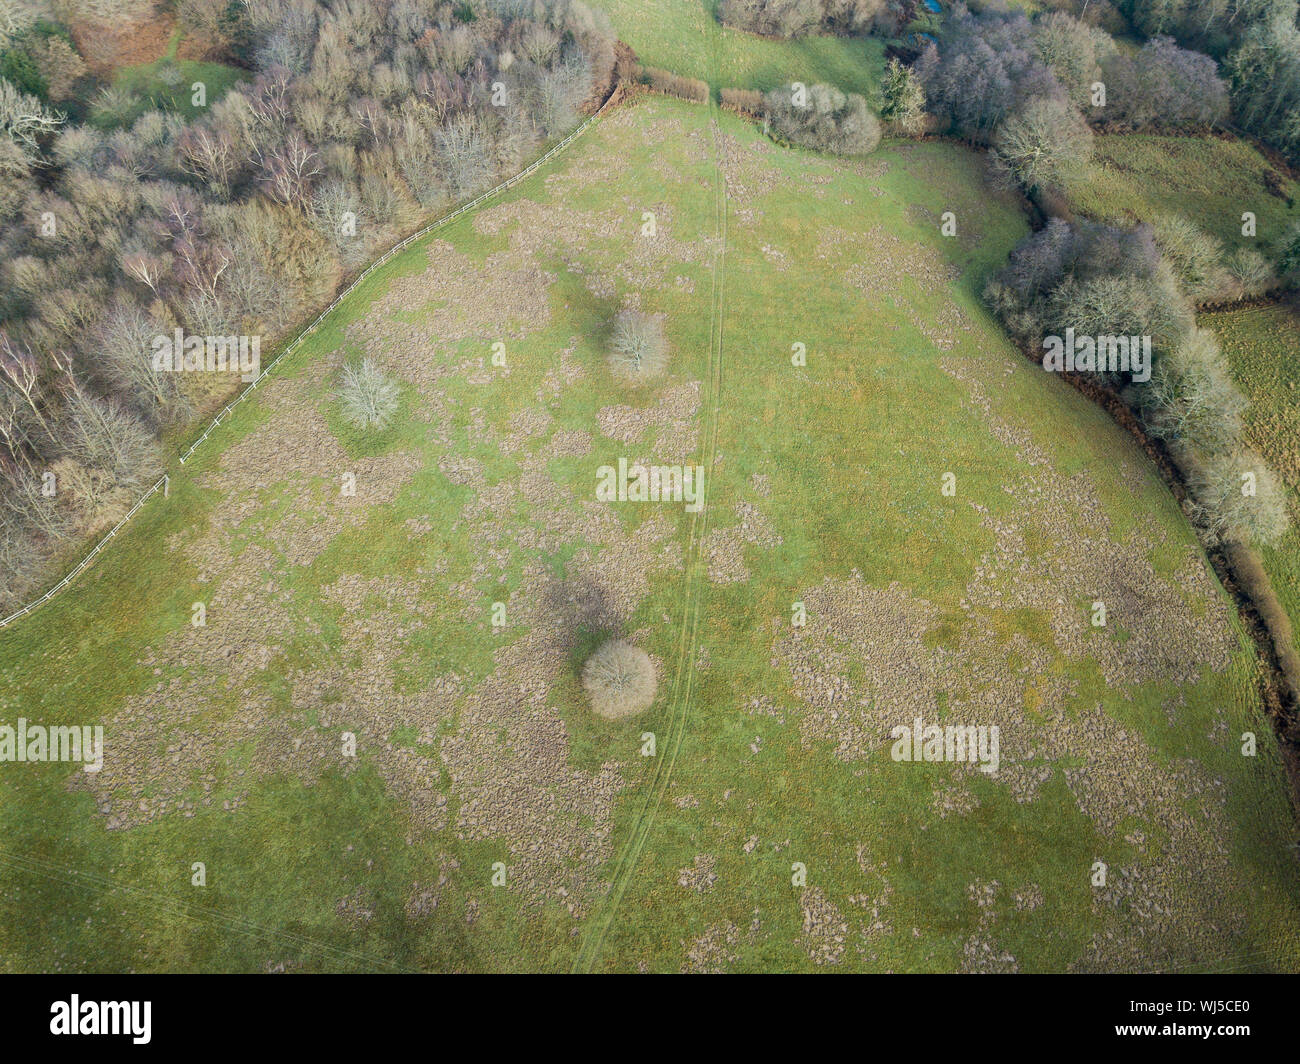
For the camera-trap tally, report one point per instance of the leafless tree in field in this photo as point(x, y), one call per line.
point(638, 347)
point(369, 398)
point(619, 678)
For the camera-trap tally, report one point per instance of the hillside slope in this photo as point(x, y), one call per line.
point(371, 614)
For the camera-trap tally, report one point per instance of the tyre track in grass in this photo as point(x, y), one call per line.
point(683, 688)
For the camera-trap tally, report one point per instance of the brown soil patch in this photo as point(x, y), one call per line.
point(140, 35)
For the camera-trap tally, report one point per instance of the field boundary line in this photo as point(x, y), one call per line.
point(293, 345)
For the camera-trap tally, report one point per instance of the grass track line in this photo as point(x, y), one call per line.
point(684, 681)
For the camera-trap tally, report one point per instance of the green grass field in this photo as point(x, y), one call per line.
point(1262, 345)
point(683, 36)
point(371, 614)
point(1212, 182)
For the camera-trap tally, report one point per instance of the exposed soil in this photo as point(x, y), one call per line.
point(109, 46)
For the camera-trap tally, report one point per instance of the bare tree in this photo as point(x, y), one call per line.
point(126, 338)
point(24, 119)
point(30, 503)
point(20, 376)
point(369, 398)
point(210, 154)
point(1043, 143)
point(1191, 400)
point(464, 152)
point(638, 348)
point(288, 171)
point(102, 436)
point(619, 678)
point(149, 268)
point(1238, 499)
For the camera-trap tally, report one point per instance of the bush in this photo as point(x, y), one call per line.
point(638, 348)
point(745, 101)
point(823, 118)
point(1194, 254)
point(619, 679)
point(1250, 272)
point(19, 69)
point(369, 398)
point(674, 84)
point(1223, 507)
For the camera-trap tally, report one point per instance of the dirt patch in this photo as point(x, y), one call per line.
point(725, 547)
point(699, 876)
point(140, 31)
point(675, 415)
point(825, 932)
point(718, 948)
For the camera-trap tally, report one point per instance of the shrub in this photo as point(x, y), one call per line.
point(369, 398)
point(823, 118)
point(1194, 254)
point(619, 679)
point(1222, 505)
point(746, 101)
point(638, 348)
point(19, 69)
point(1250, 272)
point(675, 85)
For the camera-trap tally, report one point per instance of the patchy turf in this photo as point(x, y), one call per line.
point(1211, 181)
point(1262, 346)
point(372, 613)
